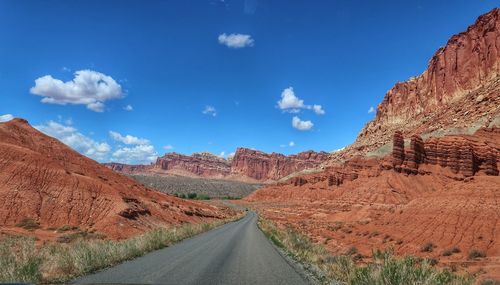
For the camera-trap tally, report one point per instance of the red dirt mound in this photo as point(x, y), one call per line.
point(444, 191)
point(47, 183)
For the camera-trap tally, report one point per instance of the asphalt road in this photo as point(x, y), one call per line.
point(236, 253)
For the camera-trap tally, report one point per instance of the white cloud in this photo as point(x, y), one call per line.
point(6, 118)
point(231, 155)
point(210, 110)
point(236, 40)
point(168, 147)
point(128, 108)
point(127, 139)
point(371, 110)
point(222, 154)
point(88, 88)
point(290, 144)
point(301, 125)
point(291, 103)
point(318, 109)
point(76, 140)
point(135, 155)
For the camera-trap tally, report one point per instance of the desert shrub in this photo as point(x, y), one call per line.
point(427, 247)
point(182, 196)
point(192, 195)
point(384, 269)
point(28, 224)
point(352, 251)
point(66, 228)
point(19, 261)
point(490, 282)
point(203, 197)
point(447, 252)
point(476, 253)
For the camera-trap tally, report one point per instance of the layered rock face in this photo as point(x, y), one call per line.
point(246, 165)
point(457, 94)
point(44, 180)
point(199, 164)
point(466, 155)
point(262, 166)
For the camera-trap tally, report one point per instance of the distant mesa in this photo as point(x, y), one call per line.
point(246, 165)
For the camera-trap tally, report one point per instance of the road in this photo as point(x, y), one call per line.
point(236, 253)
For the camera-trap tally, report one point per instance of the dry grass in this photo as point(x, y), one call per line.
point(22, 261)
point(383, 269)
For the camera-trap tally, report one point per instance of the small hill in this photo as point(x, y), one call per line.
point(47, 184)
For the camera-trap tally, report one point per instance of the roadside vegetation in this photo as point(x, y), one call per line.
point(22, 261)
point(384, 268)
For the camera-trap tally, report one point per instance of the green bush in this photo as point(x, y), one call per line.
point(28, 224)
point(476, 253)
point(427, 247)
point(192, 195)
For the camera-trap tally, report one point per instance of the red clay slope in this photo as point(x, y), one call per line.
point(44, 180)
point(445, 191)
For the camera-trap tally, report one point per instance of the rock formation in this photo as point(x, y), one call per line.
point(200, 164)
point(262, 166)
point(246, 165)
point(466, 155)
point(44, 181)
point(457, 94)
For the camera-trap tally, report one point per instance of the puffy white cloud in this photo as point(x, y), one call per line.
point(318, 109)
point(301, 125)
point(236, 40)
point(291, 103)
point(210, 110)
point(168, 147)
point(76, 140)
point(127, 139)
point(231, 155)
point(222, 154)
point(371, 110)
point(6, 118)
point(135, 155)
point(88, 88)
point(128, 108)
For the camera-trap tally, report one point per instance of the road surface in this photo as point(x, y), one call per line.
point(236, 253)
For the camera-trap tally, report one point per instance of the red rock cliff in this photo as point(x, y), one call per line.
point(458, 93)
point(262, 166)
point(199, 164)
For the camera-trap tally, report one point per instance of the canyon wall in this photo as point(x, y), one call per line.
point(458, 93)
point(246, 165)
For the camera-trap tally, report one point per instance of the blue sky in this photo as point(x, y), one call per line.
point(208, 75)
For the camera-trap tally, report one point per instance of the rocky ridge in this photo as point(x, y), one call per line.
point(246, 165)
point(457, 94)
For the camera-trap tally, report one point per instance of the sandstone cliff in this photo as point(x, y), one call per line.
point(457, 94)
point(246, 165)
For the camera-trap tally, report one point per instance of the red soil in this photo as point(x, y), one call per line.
point(391, 202)
point(44, 180)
